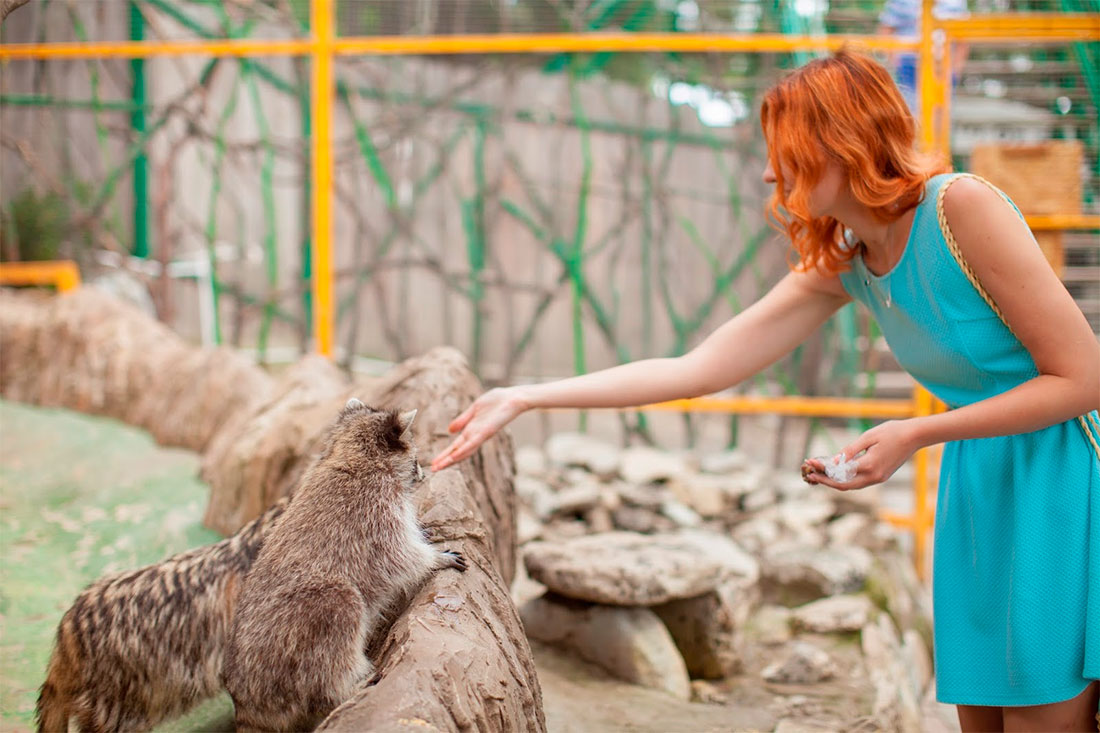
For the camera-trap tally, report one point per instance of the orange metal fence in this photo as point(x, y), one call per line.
point(323, 45)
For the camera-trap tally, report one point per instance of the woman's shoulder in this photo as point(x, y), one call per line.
point(969, 195)
point(934, 184)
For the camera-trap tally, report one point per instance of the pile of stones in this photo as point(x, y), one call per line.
point(697, 574)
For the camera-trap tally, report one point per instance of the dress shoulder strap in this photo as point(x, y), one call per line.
point(953, 247)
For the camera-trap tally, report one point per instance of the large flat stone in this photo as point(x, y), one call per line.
point(800, 574)
point(630, 569)
point(707, 628)
point(630, 643)
point(834, 614)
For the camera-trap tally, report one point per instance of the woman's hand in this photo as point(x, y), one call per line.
point(884, 448)
point(481, 420)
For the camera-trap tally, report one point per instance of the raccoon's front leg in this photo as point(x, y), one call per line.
point(449, 559)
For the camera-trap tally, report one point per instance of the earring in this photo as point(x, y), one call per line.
point(850, 240)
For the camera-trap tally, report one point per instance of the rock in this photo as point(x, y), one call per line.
point(885, 538)
point(609, 498)
point(770, 625)
point(757, 533)
point(737, 561)
point(576, 477)
point(707, 693)
point(833, 614)
point(707, 628)
point(598, 519)
point(645, 521)
point(572, 500)
point(680, 513)
point(848, 529)
point(646, 497)
point(802, 664)
point(892, 584)
point(800, 725)
point(790, 486)
point(807, 512)
point(560, 528)
point(528, 527)
point(865, 501)
point(644, 465)
point(917, 660)
point(896, 704)
point(630, 643)
point(725, 462)
point(758, 499)
point(801, 574)
point(704, 494)
point(806, 536)
point(531, 461)
point(630, 569)
point(576, 449)
point(533, 492)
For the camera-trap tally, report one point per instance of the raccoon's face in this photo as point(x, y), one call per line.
point(384, 435)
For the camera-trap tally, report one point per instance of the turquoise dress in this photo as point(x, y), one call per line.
point(1016, 570)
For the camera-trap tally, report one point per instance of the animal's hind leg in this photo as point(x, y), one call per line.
point(310, 666)
point(345, 627)
point(339, 626)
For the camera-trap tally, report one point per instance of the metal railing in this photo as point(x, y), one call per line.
point(323, 45)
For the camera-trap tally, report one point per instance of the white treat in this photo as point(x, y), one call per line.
point(838, 469)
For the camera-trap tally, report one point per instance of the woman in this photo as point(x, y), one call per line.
point(970, 308)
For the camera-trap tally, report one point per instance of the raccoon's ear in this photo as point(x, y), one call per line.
point(353, 404)
point(405, 420)
point(396, 433)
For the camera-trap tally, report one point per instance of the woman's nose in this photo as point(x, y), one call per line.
point(769, 174)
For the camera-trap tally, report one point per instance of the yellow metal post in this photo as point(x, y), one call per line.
point(942, 91)
point(925, 78)
point(322, 29)
point(62, 274)
point(922, 516)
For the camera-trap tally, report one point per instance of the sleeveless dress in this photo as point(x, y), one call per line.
point(1016, 568)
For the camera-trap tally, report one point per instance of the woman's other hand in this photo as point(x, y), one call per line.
point(884, 448)
point(480, 421)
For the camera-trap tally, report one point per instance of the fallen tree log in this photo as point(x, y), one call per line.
point(456, 658)
point(90, 352)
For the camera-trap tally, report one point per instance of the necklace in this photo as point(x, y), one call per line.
point(872, 283)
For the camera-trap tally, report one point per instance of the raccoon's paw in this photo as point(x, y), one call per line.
point(451, 559)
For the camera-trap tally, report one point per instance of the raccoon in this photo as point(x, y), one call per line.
point(145, 645)
point(348, 549)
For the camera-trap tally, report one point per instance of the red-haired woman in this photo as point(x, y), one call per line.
point(973, 311)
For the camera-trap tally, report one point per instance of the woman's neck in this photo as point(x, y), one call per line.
point(882, 242)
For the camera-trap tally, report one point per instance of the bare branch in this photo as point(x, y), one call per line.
point(6, 6)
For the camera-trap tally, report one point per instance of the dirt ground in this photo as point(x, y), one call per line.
point(81, 496)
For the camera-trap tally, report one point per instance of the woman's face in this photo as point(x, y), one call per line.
point(824, 195)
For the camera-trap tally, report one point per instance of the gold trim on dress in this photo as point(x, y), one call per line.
point(953, 248)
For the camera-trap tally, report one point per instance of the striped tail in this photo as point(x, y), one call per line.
point(53, 709)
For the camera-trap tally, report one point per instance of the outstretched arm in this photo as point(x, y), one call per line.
point(744, 345)
point(1037, 308)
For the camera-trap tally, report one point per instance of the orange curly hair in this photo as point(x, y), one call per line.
point(845, 107)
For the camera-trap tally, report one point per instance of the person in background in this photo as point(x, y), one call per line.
point(902, 18)
point(973, 311)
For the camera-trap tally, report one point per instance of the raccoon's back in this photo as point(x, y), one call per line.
point(145, 645)
point(132, 654)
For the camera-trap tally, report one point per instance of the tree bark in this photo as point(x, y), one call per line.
point(6, 6)
point(457, 657)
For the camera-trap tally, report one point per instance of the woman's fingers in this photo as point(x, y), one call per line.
point(449, 454)
point(460, 422)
